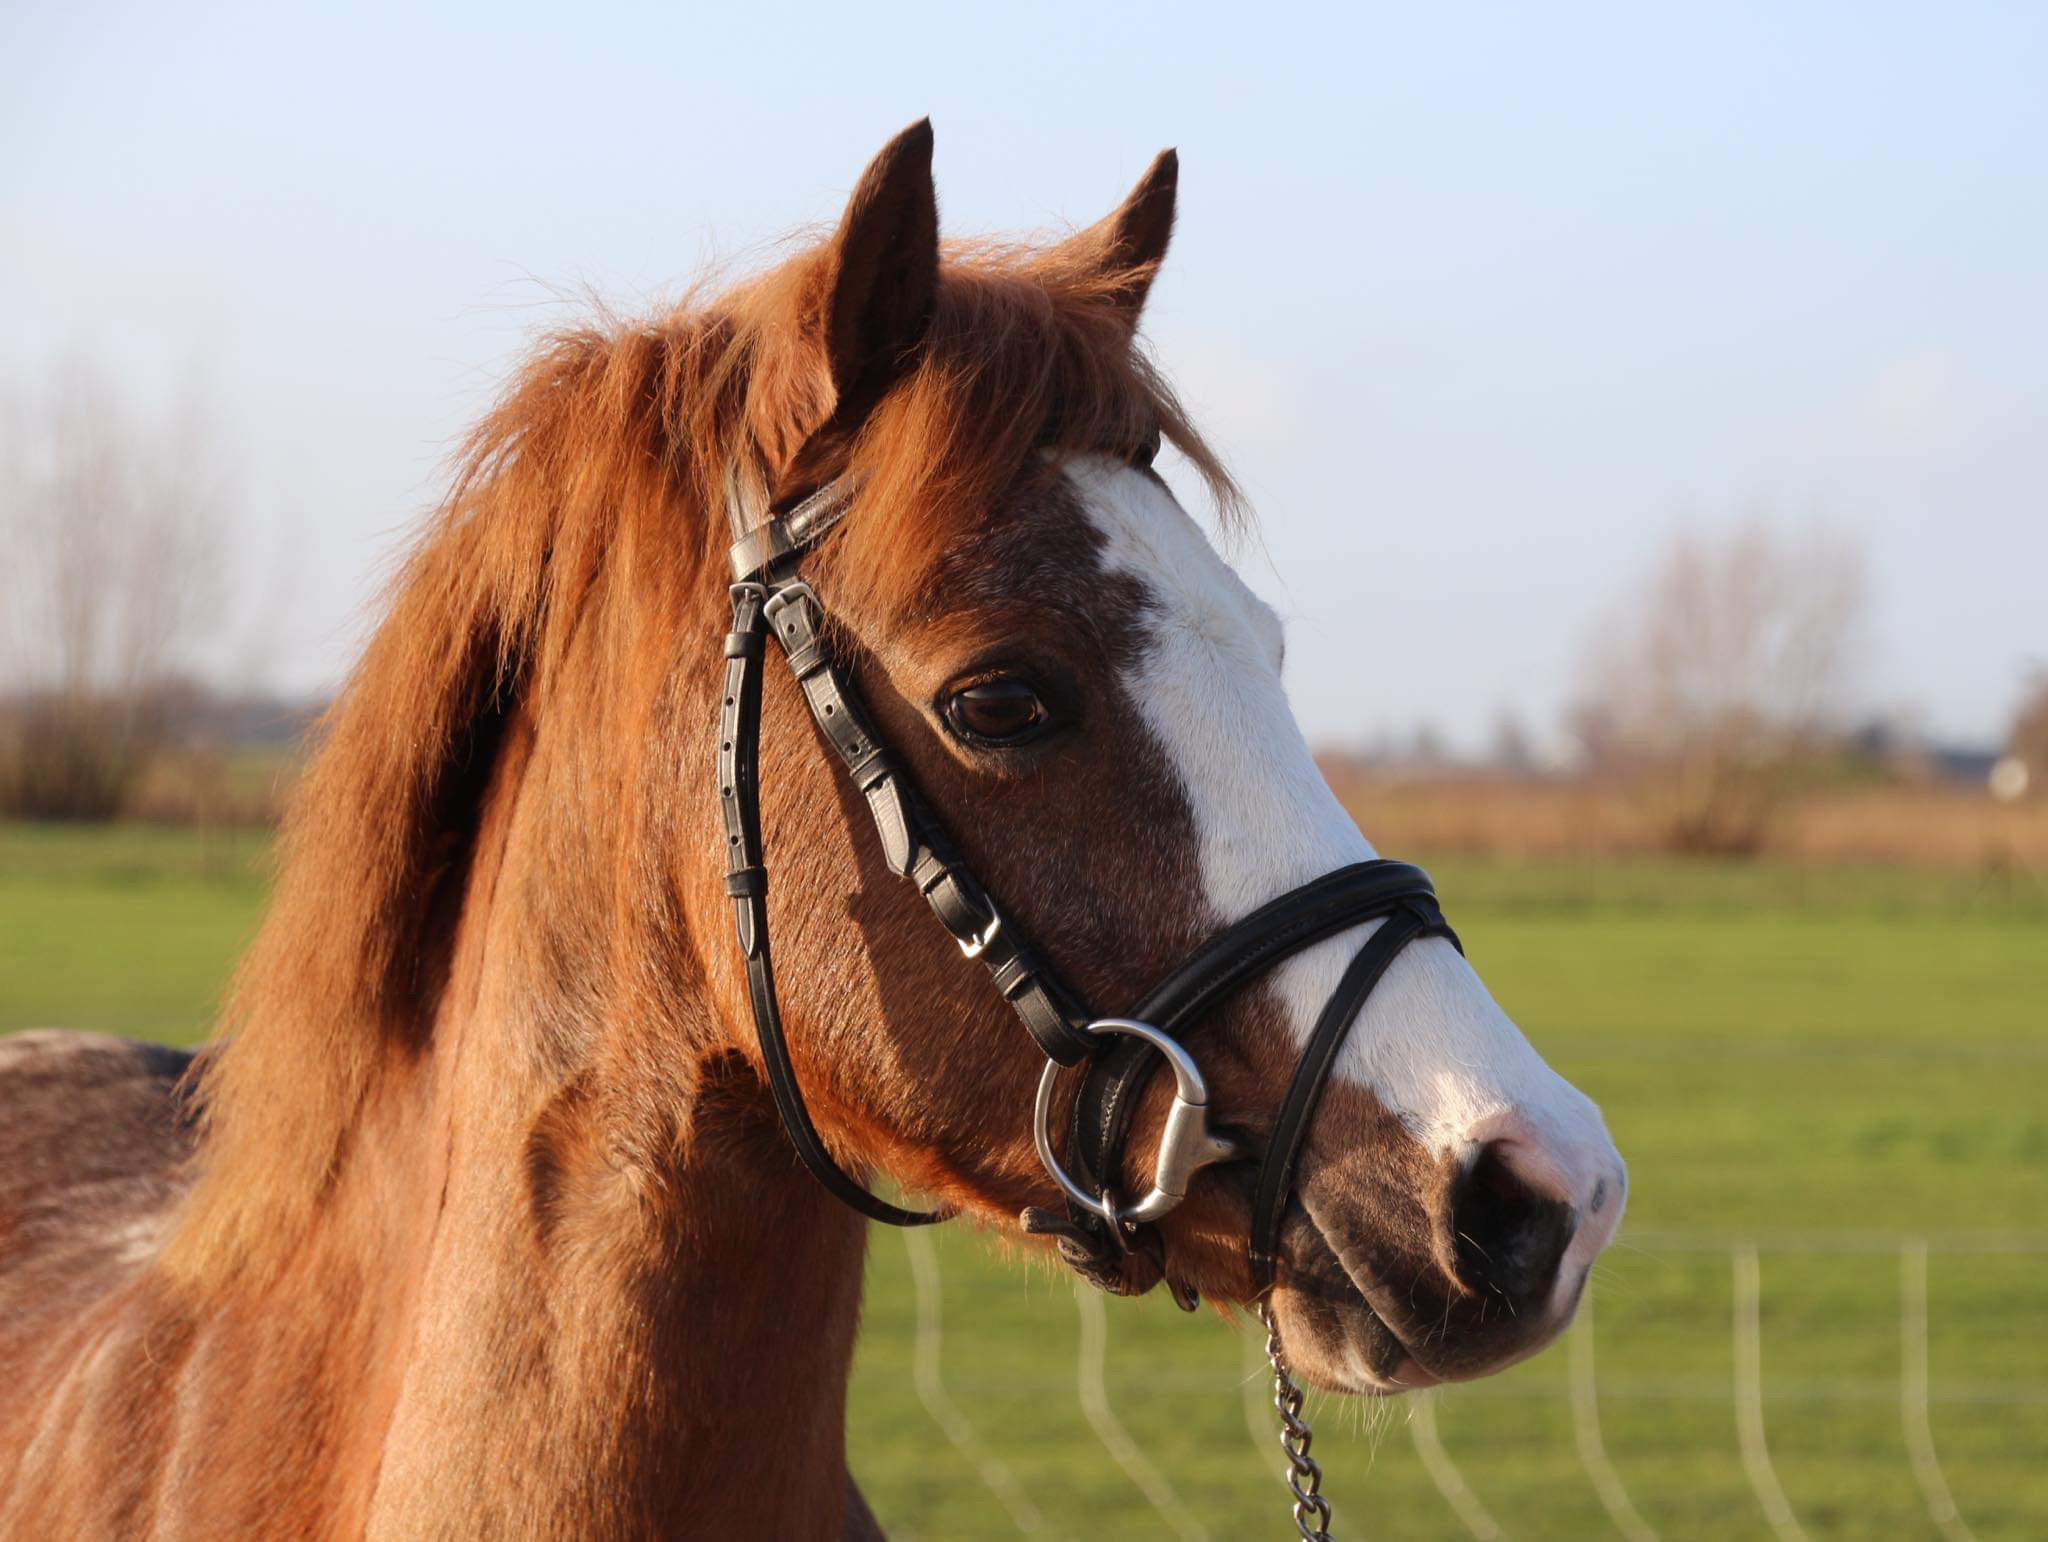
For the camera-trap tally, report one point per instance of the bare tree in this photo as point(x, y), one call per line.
point(1714, 684)
point(1510, 751)
point(113, 534)
point(2027, 743)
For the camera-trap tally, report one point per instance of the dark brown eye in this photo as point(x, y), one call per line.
point(1001, 712)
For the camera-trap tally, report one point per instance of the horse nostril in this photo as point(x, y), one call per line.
point(1509, 1236)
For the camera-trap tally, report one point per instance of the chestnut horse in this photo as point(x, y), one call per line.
point(477, 1219)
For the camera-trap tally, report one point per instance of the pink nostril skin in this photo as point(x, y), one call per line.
point(1532, 1212)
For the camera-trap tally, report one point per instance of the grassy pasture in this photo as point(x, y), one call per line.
point(1825, 1060)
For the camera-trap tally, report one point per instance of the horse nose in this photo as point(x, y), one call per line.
point(1512, 1220)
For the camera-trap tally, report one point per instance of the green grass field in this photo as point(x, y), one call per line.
point(1825, 1062)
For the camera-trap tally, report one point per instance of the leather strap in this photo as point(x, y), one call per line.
point(746, 880)
point(1109, 1092)
point(773, 543)
point(1277, 930)
point(912, 843)
point(1417, 917)
point(768, 597)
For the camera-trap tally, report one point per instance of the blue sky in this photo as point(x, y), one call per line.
point(1481, 302)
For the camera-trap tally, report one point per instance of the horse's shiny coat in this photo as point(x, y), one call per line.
point(478, 1221)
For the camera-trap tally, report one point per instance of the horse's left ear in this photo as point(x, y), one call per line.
point(1128, 245)
point(877, 278)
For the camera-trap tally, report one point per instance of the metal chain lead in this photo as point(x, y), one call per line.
point(1304, 1477)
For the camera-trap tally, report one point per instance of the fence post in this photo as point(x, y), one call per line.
point(1258, 1406)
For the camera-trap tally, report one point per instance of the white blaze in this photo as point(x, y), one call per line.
point(1431, 1043)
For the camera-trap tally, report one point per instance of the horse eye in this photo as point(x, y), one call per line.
point(1001, 712)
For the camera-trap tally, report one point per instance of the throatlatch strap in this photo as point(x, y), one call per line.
point(746, 880)
point(766, 599)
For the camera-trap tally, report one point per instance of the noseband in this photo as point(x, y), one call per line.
point(1117, 1054)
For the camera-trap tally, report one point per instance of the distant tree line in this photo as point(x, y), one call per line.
point(1716, 691)
point(2028, 745)
point(1720, 689)
point(113, 524)
point(1720, 683)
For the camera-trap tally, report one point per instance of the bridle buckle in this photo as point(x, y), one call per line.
point(978, 944)
point(793, 591)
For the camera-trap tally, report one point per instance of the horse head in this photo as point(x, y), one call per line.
point(1089, 700)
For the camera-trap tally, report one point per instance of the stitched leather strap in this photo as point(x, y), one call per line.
point(1417, 917)
point(746, 880)
point(912, 843)
point(1277, 930)
point(770, 545)
point(769, 598)
point(1110, 1088)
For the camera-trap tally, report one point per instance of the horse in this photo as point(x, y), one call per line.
point(478, 1215)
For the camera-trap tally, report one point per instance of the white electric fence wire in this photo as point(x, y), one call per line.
point(1823, 1242)
point(1749, 1396)
point(1123, 1450)
point(931, 1390)
point(1914, 1390)
point(1443, 1472)
point(1586, 1427)
point(1256, 1387)
point(1913, 1410)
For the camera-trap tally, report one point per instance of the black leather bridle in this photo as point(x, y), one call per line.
point(1118, 1054)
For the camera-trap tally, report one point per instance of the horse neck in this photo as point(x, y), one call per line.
point(606, 1297)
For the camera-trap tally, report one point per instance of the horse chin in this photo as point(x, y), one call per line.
point(1347, 1351)
point(1332, 1336)
point(1336, 1320)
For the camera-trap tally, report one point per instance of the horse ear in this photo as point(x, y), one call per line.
point(1128, 245)
point(878, 276)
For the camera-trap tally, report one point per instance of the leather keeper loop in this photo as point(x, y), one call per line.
point(742, 645)
point(807, 660)
point(968, 894)
point(760, 549)
point(747, 882)
point(871, 767)
point(892, 822)
point(1051, 1028)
